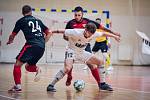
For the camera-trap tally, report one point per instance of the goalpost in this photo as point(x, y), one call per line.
point(1, 24)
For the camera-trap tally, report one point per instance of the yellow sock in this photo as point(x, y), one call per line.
point(108, 63)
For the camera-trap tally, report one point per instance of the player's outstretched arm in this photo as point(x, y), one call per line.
point(110, 31)
point(49, 33)
point(116, 37)
point(60, 31)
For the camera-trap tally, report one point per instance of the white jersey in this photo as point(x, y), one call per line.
point(76, 39)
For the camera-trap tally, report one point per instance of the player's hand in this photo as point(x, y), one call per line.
point(117, 38)
point(118, 34)
point(11, 39)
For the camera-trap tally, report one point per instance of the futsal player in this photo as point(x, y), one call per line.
point(77, 42)
point(79, 22)
point(101, 43)
point(33, 30)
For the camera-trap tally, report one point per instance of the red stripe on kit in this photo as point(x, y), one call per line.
point(24, 49)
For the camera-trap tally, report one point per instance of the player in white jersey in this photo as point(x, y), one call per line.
point(77, 41)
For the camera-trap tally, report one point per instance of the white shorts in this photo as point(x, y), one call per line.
point(78, 56)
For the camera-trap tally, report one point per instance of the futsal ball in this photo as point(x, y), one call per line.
point(79, 85)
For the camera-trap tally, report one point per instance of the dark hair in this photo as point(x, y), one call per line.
point(91, 27)
point(98, 19)
point(78, 8)
point(26, 9)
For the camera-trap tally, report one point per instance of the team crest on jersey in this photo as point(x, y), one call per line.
point(80, 45)
point(83, 25)
point(74, 25)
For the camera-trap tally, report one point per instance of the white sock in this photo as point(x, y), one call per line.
point(58, 76)
point(102, 74)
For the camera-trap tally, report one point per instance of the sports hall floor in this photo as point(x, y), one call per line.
point(129, 83)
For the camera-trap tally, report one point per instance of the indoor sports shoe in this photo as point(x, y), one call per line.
point(38, 75)
point(68, 82)
point(105, 87)
point(51, 88)
point(15, 89)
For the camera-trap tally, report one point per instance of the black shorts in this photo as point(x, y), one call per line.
point(88, 48)
point(30, 54)
point(100, 46)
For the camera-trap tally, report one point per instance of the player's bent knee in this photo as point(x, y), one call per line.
point(99, 62)
point(90, 66)
point(67, 69)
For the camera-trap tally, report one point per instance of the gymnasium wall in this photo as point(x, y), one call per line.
point(127, 16)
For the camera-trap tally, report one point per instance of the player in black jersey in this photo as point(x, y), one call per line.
point(36, 34)
point(79, 22)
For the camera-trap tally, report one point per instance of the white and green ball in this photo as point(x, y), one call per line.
point(79, 85)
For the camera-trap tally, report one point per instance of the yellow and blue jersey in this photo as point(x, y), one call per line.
point(101, 38)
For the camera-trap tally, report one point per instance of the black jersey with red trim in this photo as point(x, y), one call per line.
point(80, 24)
point(33, 30)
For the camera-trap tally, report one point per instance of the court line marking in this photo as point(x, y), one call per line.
point(113, 87)
point(132, 90)
point(118, 88)
point(88, 84)
point(8, 97)
point(123, 89)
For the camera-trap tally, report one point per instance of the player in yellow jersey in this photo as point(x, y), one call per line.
point(103, 44)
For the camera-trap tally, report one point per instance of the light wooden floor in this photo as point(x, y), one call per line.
point(129, 83)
